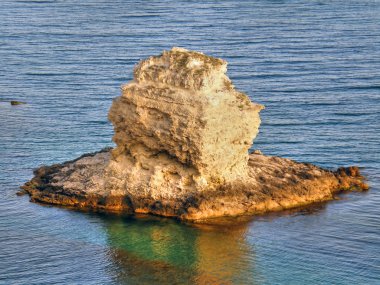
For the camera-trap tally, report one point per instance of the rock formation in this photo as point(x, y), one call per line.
point(180, 126)
point(182, 135)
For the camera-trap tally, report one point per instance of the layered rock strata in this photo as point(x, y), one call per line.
point(182, 135)
point(181, 126)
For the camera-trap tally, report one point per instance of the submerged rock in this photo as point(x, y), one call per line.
point(182, 135)
point(13, 103)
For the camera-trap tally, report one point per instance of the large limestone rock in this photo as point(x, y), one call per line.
point(182, 135)
point(181, 126)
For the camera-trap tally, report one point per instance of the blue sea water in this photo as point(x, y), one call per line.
point(314, 64)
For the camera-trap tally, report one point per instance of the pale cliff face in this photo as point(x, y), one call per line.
point(180, 125)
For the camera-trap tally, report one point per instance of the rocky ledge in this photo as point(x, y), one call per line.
point(182, 135)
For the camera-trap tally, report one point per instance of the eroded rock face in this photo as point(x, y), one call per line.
point(182, 135)
point(180, 125)
point(273, 184)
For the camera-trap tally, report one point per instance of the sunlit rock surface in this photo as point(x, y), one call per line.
point(180, 126)
point(182, 134)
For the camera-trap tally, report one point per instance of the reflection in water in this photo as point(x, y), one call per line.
point(149, 250)
point(154, 250)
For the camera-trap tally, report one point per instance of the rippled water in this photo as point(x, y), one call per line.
point(315, 65)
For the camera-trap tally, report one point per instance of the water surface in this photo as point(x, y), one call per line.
point(315, 65)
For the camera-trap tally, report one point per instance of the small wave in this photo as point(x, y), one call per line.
point(369, 87)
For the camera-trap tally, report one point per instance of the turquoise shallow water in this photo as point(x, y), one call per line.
point(315, 65)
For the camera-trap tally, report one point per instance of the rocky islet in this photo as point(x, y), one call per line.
point(182, 135)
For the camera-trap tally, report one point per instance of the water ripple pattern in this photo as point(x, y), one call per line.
point(315, 65)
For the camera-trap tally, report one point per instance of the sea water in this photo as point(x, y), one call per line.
point(315, 65)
